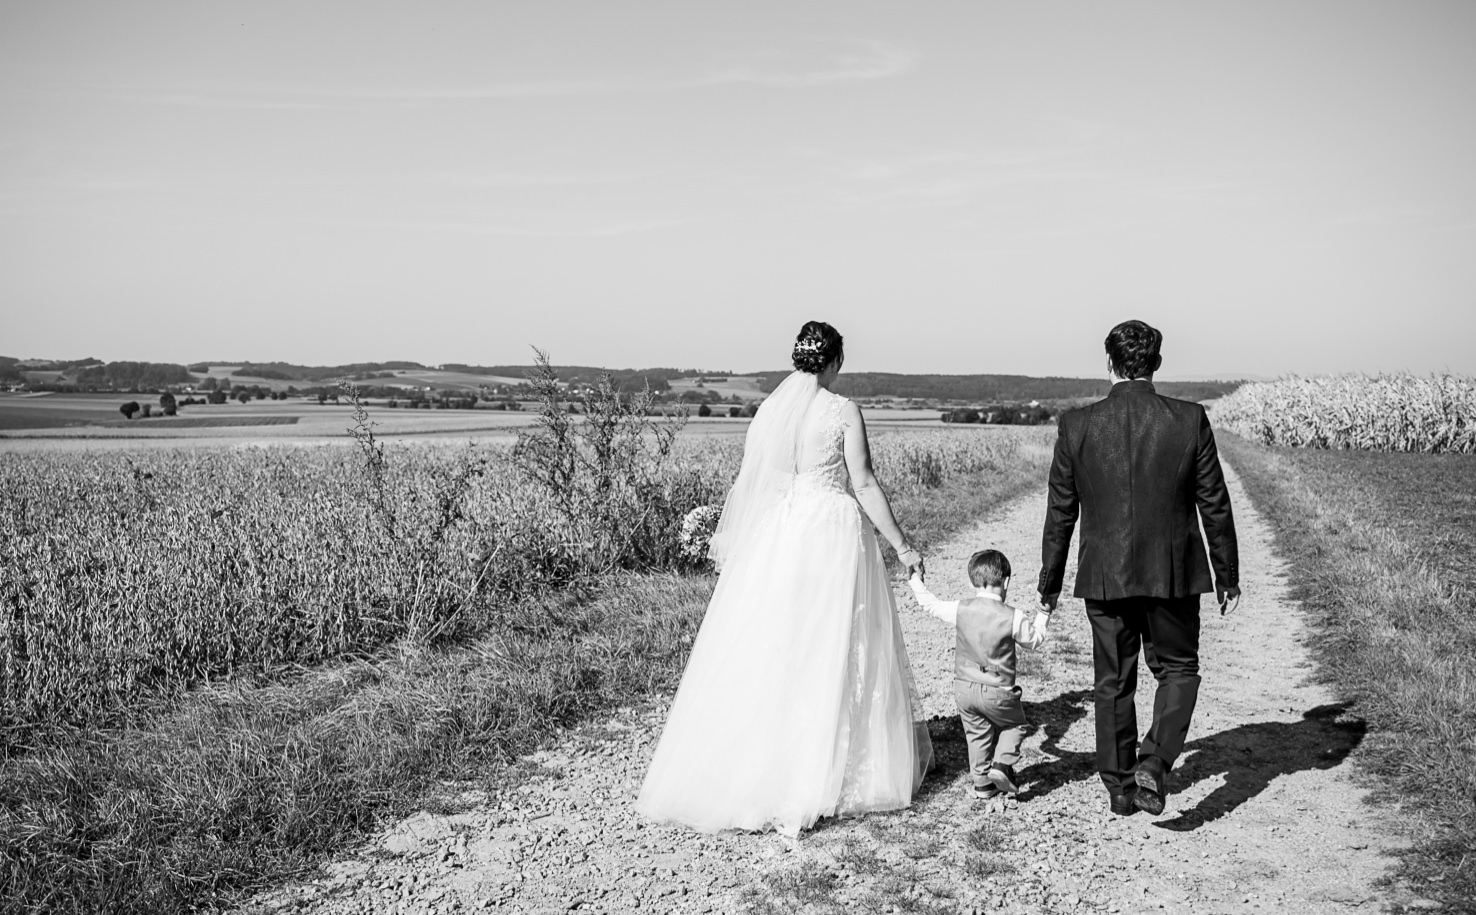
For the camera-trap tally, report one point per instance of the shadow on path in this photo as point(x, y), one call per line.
point(1055, 717)
point(950, 756)
point(1252, 755)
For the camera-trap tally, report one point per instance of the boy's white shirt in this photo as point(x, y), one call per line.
point(1027, 634)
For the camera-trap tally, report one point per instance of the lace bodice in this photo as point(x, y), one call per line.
point(824, 446)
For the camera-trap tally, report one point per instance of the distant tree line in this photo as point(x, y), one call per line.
point(625, 380)
point(1001, 415)
point(48, 365)
point(134, 376)
point(287, 371)
point(995, 388)
point(450, 403)
point(168, 406)
point(733, 411)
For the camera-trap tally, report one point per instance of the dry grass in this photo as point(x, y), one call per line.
point(858, 857)
point(243, 785)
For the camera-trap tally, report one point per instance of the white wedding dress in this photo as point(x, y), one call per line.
point(797, 700)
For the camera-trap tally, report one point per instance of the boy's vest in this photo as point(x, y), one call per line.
point(985, 652)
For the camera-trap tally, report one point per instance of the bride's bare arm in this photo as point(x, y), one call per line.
point(863, 480)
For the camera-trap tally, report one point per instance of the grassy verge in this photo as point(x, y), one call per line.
point(1380, 548)
point(243, 786)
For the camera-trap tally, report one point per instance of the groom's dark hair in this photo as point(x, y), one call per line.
point(1132, 349)
point(988, 569)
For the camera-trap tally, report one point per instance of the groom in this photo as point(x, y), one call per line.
point(1137, 466)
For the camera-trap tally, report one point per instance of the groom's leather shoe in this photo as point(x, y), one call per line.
point(1122, 804)
point(1150, 777)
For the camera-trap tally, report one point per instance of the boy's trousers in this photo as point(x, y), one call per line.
point(994, 725)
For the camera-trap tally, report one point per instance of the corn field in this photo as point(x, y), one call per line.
point(1374, 413)
point(128, 575)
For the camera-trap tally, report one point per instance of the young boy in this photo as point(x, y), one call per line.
point(988, 630)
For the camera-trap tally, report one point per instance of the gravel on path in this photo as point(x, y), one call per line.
point(1264, 812)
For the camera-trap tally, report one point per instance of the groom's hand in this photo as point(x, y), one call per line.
point(1229, 598)
point(1048, 601)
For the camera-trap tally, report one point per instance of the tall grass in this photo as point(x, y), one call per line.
point(146, 573)
point(1377, 413)
point(133, 575)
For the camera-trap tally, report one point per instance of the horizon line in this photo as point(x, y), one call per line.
point(1184, 378)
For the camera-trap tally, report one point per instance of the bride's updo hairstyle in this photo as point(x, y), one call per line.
point(817, 345)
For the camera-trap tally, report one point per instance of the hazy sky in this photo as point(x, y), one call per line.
point(958, 186)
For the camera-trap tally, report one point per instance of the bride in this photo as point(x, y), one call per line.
point(797, 700)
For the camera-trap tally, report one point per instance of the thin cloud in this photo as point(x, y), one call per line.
point(598, 230)
point(949, 191)
point(1383, 216)
point(239, 100)
point(940, 178)
point(1049, 150)
point(1215, 192)
point(821, 63)
point(54, 188)
point(851, 60)
point(520, 179)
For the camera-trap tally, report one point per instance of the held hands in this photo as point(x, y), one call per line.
point(1042, 620)
point(913, 560)
point(1048, 602)
point(1228, 598)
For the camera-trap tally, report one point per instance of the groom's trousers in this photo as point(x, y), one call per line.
point(1166, 630)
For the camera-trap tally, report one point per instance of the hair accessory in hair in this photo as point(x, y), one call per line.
point(809, 345)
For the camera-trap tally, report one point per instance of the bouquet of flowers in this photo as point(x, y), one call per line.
point(697, 528)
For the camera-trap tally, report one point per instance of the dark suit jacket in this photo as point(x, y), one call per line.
point(1135, 467)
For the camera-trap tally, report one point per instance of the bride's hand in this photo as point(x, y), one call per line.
point(913, 560)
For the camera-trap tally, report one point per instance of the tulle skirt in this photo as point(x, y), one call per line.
point(797, 700)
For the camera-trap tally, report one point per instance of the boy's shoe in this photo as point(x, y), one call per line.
point(1150, 777)
point(1003, 778)
point(986, 792)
